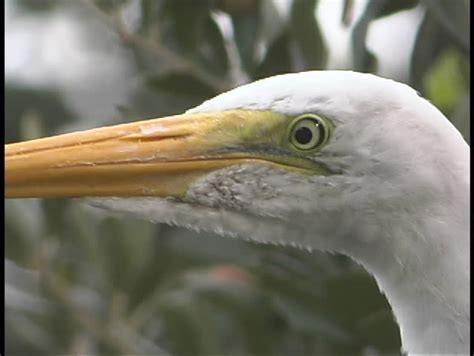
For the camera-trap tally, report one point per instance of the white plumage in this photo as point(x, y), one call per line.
point(399, 206)
point(396, 199)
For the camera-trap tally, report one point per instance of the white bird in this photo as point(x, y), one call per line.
point(329, 160)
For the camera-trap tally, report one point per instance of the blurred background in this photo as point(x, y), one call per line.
point(79, 280)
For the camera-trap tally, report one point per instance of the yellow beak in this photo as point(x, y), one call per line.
point(159, 157)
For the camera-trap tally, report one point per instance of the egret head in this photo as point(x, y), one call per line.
point(333, 160)
point(280, 160)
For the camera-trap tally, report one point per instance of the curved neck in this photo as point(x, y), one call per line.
point(427, 283)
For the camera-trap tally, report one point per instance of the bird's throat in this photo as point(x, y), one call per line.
point(427, 286)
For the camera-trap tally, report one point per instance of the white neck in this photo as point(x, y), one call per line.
point(420, 260)
point(427, 284)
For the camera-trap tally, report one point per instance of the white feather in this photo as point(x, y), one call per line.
point(399, 207)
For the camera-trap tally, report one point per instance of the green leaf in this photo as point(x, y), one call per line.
point(183, 85)
point(429, 43)
point(277, 60)
point(445, 86)
point(365, 298)
point(454, 17)
point(363, 59)
point(347, 12)
point(379, 329)
point(306, 34)
point(182, 25)
point(304, 319)
point(213, 49)
point(38, 6)
point(385, 8)
point(389, 7)
point(461, 118)
point(24, 224)
point(246, 26)
point(149, 15)
point(48, 106)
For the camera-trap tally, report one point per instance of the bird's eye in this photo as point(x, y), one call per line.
point(308, 132)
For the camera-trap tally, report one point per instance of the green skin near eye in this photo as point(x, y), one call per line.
point(320, 130)
point(269, 136)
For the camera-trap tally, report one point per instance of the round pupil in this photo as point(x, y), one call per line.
point(303, 135)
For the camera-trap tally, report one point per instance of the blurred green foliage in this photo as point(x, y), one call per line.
point(79, 281)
